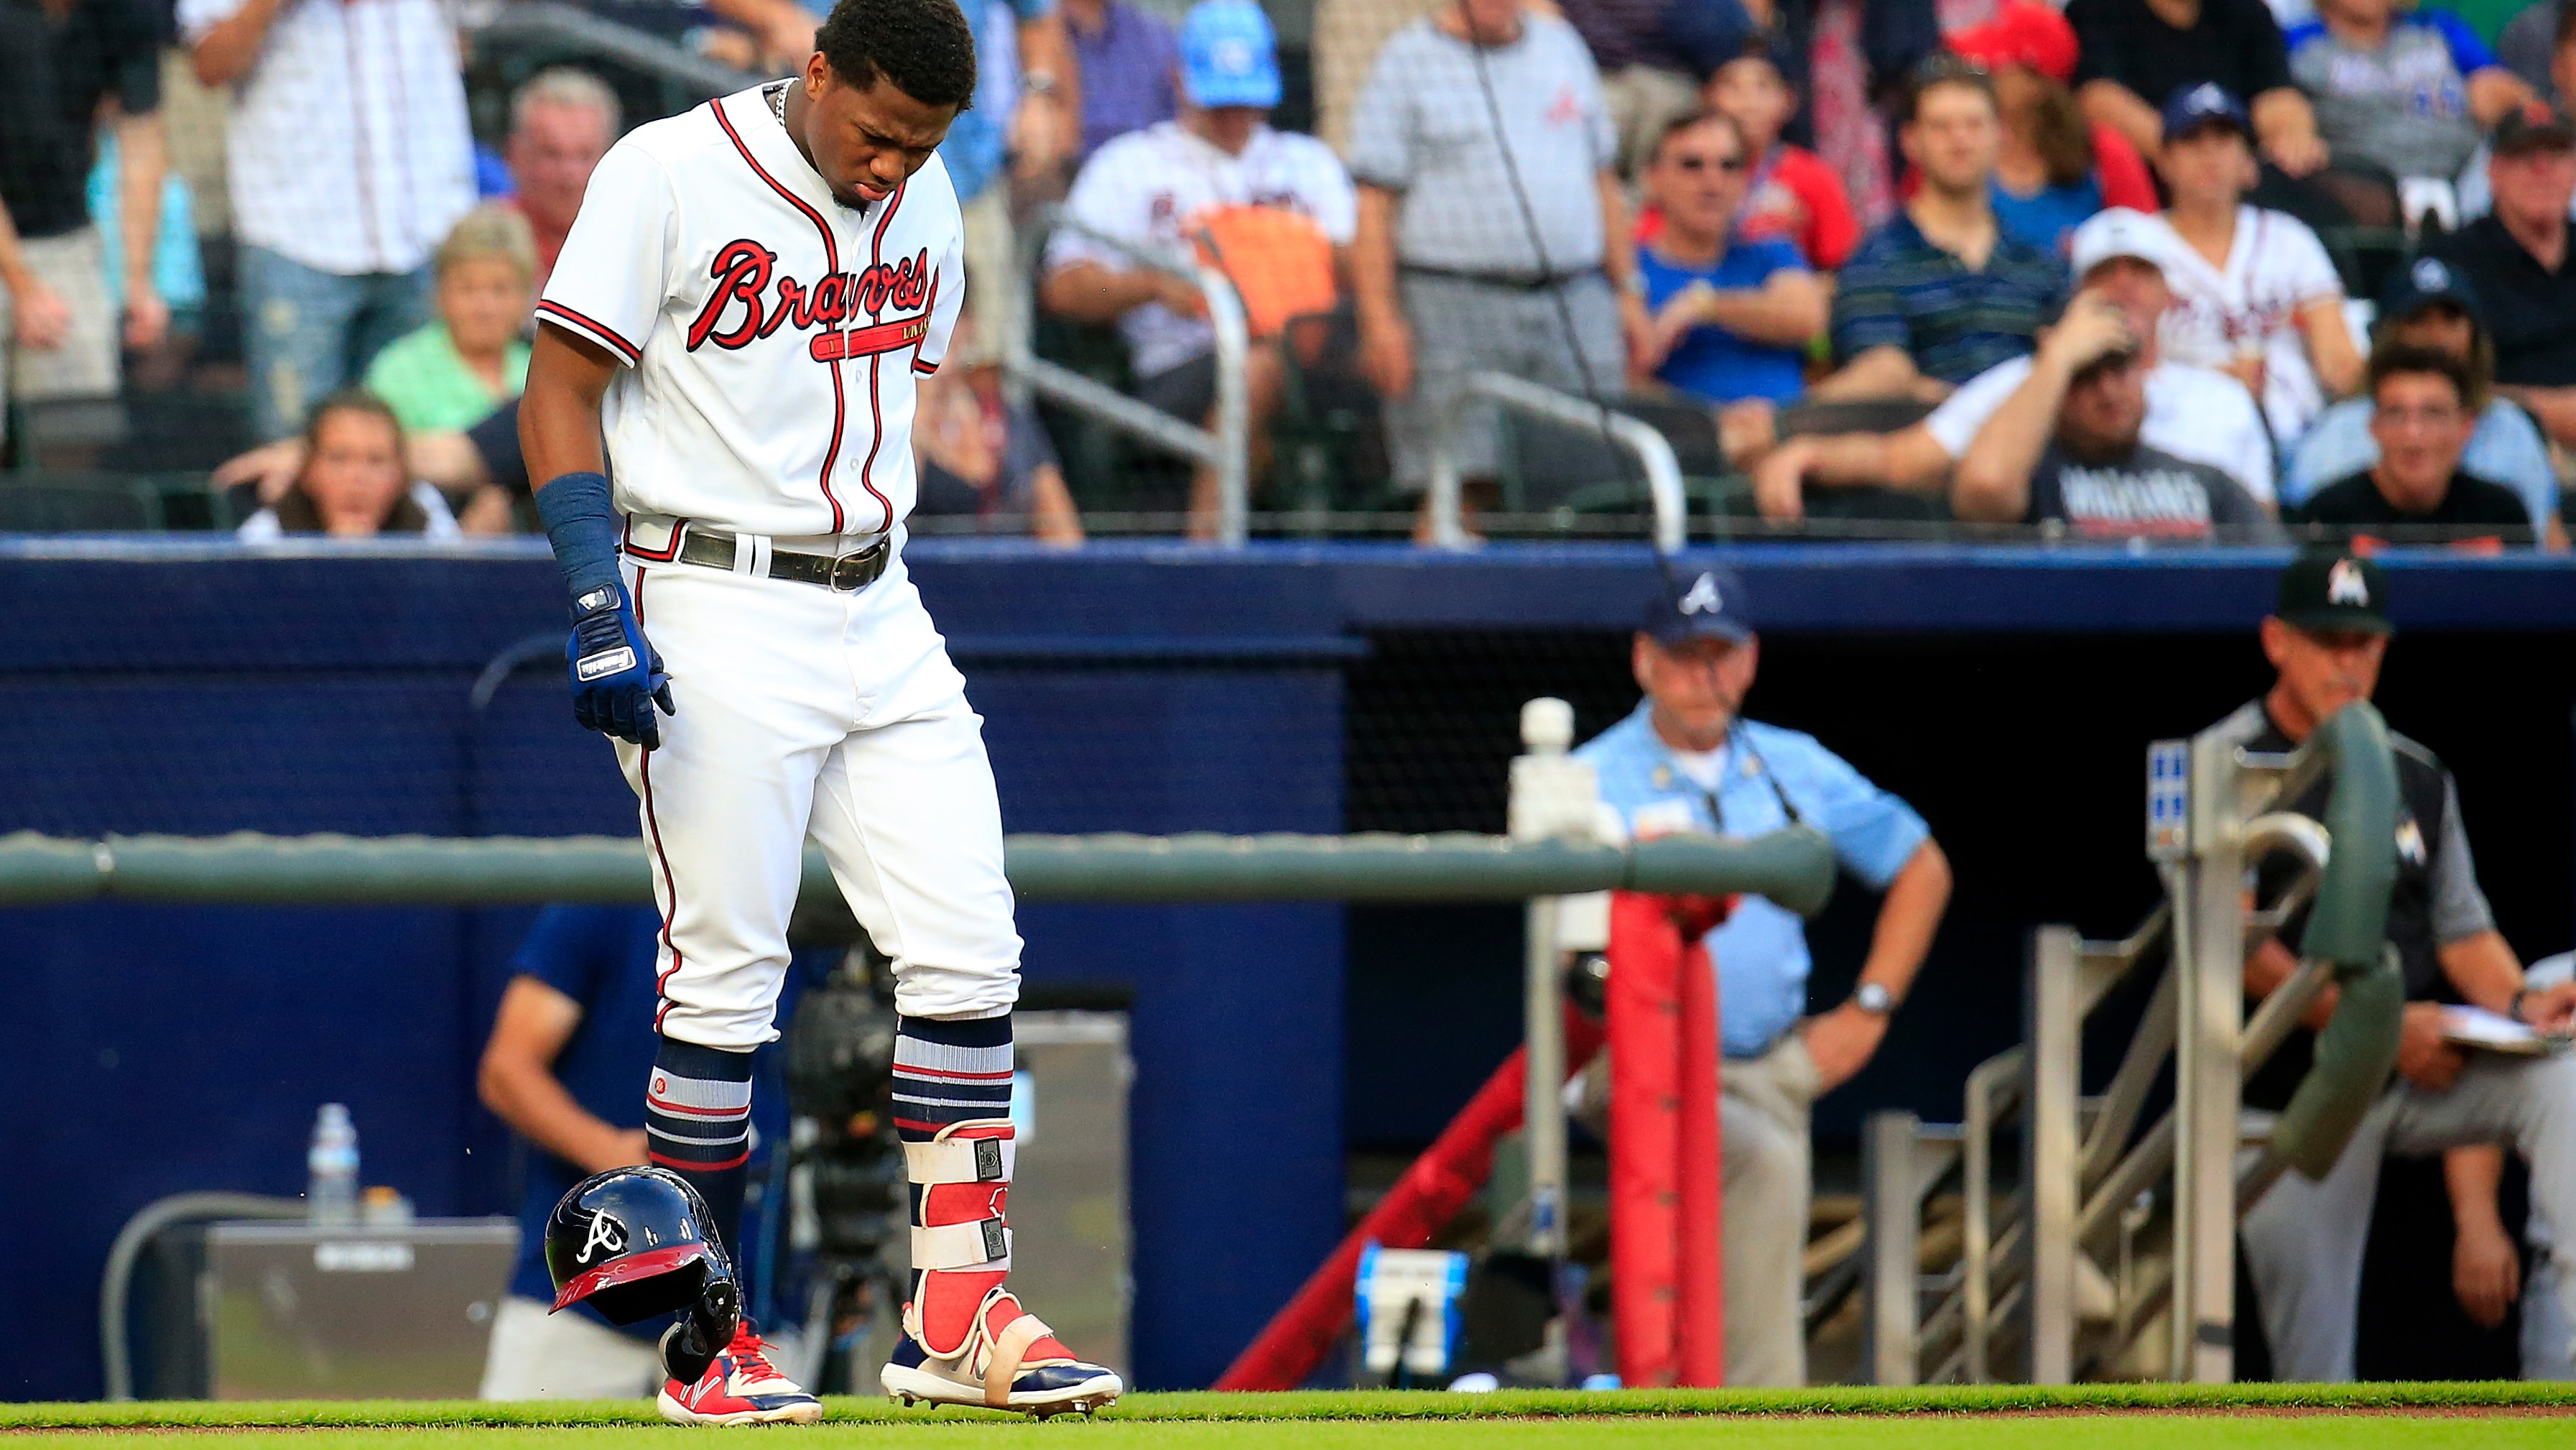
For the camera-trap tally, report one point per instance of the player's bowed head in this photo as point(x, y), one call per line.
point(886, 79)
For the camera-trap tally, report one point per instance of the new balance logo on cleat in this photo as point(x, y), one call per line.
point(740, 1387)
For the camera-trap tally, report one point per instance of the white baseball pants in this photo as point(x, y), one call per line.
point(800, 711)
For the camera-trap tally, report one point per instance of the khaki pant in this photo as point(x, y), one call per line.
point(541, 1356)
point(1643, 101)
point(1764, 1105)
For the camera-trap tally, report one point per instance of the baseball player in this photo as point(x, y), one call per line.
point(741, 307)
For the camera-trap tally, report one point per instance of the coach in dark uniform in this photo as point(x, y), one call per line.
point(2304, 1240)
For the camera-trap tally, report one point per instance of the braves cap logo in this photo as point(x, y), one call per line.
point(605, 1233)
point(2345, 585)
point(1702, 598)
point(2431, 276)
point(2207, 97)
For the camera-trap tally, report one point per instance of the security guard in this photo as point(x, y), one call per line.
point(2304, 1240)
point(1686, 761)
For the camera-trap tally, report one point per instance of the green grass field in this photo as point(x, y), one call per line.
point(2001, 1417)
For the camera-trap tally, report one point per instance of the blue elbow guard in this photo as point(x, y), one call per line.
point(581, 523)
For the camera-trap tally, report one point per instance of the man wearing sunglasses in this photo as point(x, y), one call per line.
point(1731, 317)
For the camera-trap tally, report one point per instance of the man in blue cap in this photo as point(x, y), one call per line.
point(1687, 760)
point(1165, 188)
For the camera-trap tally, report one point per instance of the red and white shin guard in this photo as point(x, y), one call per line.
point(970, 1341)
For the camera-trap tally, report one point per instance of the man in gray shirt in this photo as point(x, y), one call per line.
point(2410, 93)
point(1492, 232)
point(2304, 1240)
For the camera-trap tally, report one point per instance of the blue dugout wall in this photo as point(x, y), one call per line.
point(197, 688)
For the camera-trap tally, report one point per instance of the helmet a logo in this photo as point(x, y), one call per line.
point(1702, 598)
point(2345, 585)
point(605, 1233)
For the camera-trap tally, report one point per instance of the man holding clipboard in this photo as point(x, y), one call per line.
point(2304, 1240)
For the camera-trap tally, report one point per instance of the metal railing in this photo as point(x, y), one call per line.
point(1663, 470)
point(1226, 448)
point(552, 22)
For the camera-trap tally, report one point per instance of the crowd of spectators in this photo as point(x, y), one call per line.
point(1680, 208)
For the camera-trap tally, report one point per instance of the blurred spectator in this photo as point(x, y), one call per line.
point(2255, 295)
point(985, 457)
point(353, 483)
point(2422, 413)
point(2528, 46)
point(2405, 94)
point(2134, 55)
point(572, 1037)
point(456, 370)
point(2515, 260)
point(2193, 413)
point(1026, 114)
point(2064, 450)
point(2056, 167)
point(1791, 192)
point(2428, 306)
point(2477, 198)
point(1347, 37)
point(561, 122)
point(1130, 65)
point(1687, 761)
point(1168, 188)
point(1731, 317)
point(349, 159)
point(1646, 81)
point(1492, 231)
point(58, 317)
point(1943, 292)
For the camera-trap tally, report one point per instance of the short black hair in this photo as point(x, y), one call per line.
point(1693, 122)
point(2390, 362)
point(925, 47)
point(1942, 68)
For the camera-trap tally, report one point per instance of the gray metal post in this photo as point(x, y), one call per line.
point(2051, 1149)
point(1891, 1208)
point(2209, 944)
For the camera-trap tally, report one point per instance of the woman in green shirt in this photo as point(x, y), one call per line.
point(451, 374)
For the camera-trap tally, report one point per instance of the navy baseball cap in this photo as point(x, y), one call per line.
point(2191, 107)
point(1229, 55)
point(2426, 281)
point(1709, 603)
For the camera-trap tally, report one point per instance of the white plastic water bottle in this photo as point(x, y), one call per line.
point(331, 1193)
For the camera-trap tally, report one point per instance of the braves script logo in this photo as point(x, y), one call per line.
point(752, 299)
point(605, 1233)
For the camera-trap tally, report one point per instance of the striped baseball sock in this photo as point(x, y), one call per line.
point(954, 1078)
point(697, 1121)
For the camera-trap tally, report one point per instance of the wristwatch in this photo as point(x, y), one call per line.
point(1874, 999)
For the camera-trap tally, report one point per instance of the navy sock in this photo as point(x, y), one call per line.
point(950, 1072)
point(697, 1121)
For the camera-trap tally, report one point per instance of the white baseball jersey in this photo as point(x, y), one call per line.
point(2275, 268)
point(771, 335)
point(1146, 187)
point(2192, 413)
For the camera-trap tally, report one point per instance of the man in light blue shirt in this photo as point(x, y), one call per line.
point(1687, 761)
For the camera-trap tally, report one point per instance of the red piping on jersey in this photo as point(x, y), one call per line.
point(876, 414)
point(669, 552)
point(832, 264)
point(929, 309)
point(579, 323)
point(653, 823)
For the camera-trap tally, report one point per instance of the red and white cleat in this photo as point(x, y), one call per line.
point(740, 1387)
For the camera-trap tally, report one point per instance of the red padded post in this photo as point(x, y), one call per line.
point(1703, 1197)
point(1666, 1209)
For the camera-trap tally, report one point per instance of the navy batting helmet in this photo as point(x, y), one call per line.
point(635, 1243)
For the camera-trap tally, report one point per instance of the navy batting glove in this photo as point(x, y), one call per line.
point(617, 676)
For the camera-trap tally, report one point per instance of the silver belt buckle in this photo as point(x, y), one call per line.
point(850, 571)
